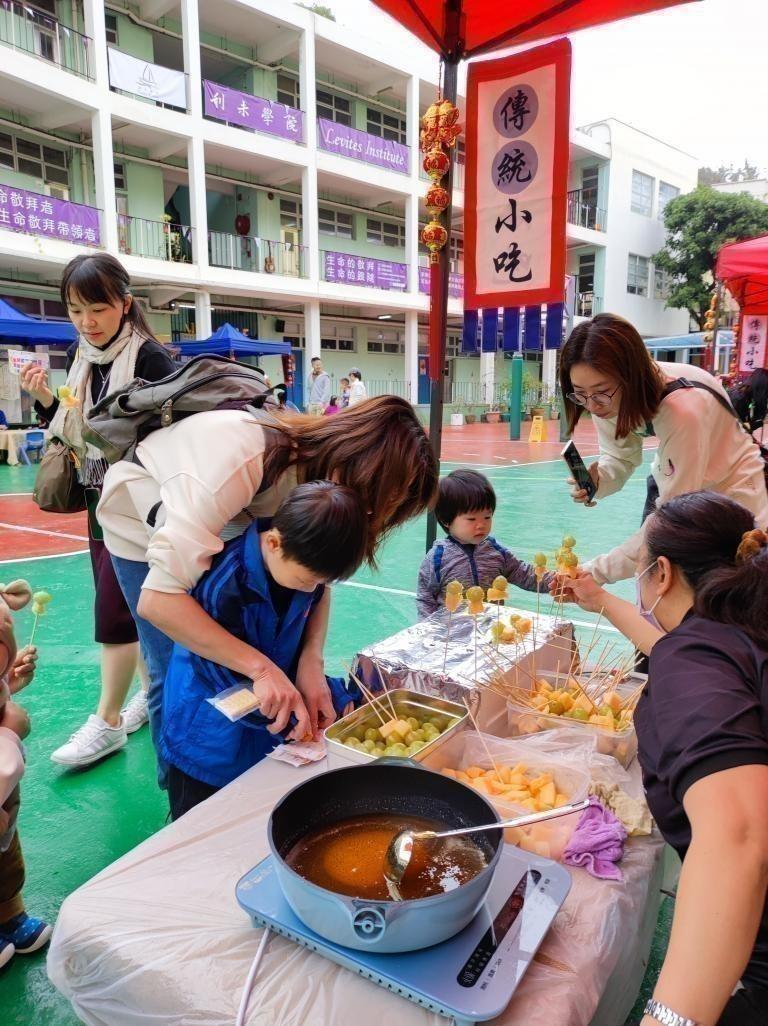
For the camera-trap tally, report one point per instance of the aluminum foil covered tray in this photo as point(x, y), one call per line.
point(418, 659)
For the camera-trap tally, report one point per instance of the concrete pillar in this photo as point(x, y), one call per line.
point(310, 230)
point(190, 32)
point(487, 375)
point(203, 328)
point(413, 124)
point(197, 204)
point(311, 332)
point(93, 11)
point(412, 229)
point(412, 355)
point(549, 370)
point(104, 177)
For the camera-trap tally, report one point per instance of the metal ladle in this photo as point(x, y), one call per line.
point(400, 848)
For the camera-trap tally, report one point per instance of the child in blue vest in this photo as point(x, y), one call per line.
point(465, 508)
point(261, 588)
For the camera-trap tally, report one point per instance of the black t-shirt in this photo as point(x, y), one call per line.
point(704, 710)
point(153, 362)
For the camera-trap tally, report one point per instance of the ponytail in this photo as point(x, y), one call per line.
point(713, 542)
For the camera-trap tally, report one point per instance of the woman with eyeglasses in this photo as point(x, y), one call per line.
point(702, 729)
point(606, 369)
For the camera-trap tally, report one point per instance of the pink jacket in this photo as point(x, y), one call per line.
point(11, 763)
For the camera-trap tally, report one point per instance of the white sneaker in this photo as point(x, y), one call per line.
point(94, 740)
point(135, 713)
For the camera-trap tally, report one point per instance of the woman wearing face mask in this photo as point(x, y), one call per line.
point(607, 370)
point(115, 344)
point(702, 728)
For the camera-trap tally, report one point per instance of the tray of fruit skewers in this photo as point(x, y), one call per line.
point(602, 704)
point(398, 724)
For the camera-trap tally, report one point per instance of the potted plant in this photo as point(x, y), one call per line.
point(458, 409)
point(493, 416)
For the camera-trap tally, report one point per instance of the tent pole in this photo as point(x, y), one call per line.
point(438, 311)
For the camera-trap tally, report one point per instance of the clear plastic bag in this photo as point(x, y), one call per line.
point(540, 754)
point(235, 702)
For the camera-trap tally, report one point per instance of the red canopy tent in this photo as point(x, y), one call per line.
point(458, 29)
point(743, 268)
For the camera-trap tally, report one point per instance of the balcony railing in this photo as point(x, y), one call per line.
point(345, 269)
point(588, 304)
point(26, 28)
point(584, 212)
point(248, 253)
point(157, 240)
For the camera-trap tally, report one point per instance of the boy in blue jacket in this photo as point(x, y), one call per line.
point(262, 588)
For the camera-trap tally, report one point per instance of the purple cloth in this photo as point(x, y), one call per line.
point(597, 843)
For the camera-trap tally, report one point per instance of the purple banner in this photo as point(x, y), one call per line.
point(455, 283)
point(352, 270)
point(35, 214)
point(371, 149)
point(248, 111)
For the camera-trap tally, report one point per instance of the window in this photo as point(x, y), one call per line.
point(110, 23)
point(32, 158)
point(661, 284)
point(456, 254)
point(290, 214)
point(642, 193)
point(590, 179)
point(387, 126)
point(288, 90)
point(385, 233)
point(342, 345)
point(666, 193)
point(334, 108)
point(119, 176)
point(386, 342)
point(453, 346)
point(335, 222)
point(637, 275)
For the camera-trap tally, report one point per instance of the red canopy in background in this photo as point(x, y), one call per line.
point(487, 25)
point(743, 269)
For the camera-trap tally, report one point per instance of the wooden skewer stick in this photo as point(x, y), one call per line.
point(384, 688)
point(447, 640)
point(480, 735)
point(372, 699)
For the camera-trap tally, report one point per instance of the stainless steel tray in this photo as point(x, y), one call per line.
point(406, 703)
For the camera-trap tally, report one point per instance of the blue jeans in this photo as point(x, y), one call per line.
point(156, 648)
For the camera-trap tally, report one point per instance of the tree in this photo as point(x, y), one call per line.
point(698, 225)
point(321, 9)
point(747, 173)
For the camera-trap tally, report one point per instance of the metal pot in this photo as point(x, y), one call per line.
point(381, 787)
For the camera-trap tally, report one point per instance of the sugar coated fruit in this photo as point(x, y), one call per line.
point(402, 737)
point(569, 541)
point(454, 588)
point(539, 559)
point(42, 598)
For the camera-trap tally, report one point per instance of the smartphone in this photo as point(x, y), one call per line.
point(579, 470)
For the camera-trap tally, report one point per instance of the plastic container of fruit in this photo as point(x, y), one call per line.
point(620, 744)
point(467, 750)
point(346, 739)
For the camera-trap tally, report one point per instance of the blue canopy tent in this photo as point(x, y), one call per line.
point(18, 327)
point(228, 341)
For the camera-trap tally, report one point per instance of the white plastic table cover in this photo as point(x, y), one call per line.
point(158, 939)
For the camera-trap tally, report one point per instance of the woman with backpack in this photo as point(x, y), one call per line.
point(115, 344)
point(202, 480)
point(606, 369)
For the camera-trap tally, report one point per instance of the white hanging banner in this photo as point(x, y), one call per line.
point(754, 343)
point(164, 85)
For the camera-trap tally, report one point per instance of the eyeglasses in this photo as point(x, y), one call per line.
point(598, 399)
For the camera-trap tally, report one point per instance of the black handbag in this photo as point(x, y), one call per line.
point(57, 487)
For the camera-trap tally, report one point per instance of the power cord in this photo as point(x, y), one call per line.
point(240, 1021)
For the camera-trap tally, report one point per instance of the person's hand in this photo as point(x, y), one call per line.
point(16, 719)
point(586, 593)
point(278, 698)
point(311, 683)
point(23, 669)
point(34, 380)
point(580, 494)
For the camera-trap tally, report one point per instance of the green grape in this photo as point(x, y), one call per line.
point(580, 714)
point(371, 734)
point(414, 723)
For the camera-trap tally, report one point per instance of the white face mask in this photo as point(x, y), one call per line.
point(647, 614)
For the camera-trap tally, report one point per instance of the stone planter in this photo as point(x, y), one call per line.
point(494, 417)
point(457, 420)
point(470, 418)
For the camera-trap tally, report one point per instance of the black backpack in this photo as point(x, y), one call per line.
point(124, 418)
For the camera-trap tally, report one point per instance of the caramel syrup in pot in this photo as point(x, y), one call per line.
point(348, 857)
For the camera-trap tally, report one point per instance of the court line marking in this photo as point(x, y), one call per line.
point(54, 555)
point(49, 534)
point(6, 495)
point(412, 594)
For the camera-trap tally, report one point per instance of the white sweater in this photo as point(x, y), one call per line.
point(701, 446)
point(206, 471)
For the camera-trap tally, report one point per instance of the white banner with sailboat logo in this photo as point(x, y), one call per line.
point(133, 75)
